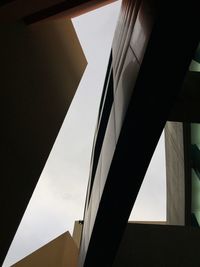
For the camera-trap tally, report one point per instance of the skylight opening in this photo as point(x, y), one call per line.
point(150, 205)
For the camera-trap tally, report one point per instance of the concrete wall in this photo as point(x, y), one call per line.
point(146, 245)
point(175, 173)
point(60, 252)
point(77, 232)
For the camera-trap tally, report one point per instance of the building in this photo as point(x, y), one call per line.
point(148, 83)
point(60, 252)
point(41, 63)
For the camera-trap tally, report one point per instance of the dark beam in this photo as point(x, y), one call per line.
point(5, 2)
point(186, 106)
point(173, 41)
point(34, 11)
point(70, 8)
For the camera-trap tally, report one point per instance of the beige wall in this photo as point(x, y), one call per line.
point(175, 173)
point(61, 252)
point(40, 66)
point(77, 232)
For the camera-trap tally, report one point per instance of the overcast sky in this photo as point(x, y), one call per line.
point(59, 197)
point(150, 204)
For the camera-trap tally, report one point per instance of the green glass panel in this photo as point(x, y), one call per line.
point(195, 172)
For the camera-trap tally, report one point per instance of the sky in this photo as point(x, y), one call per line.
point(59, 197)
point(150, 204)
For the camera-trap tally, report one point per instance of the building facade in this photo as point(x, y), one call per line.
point(146, 85)
point(60, 252)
